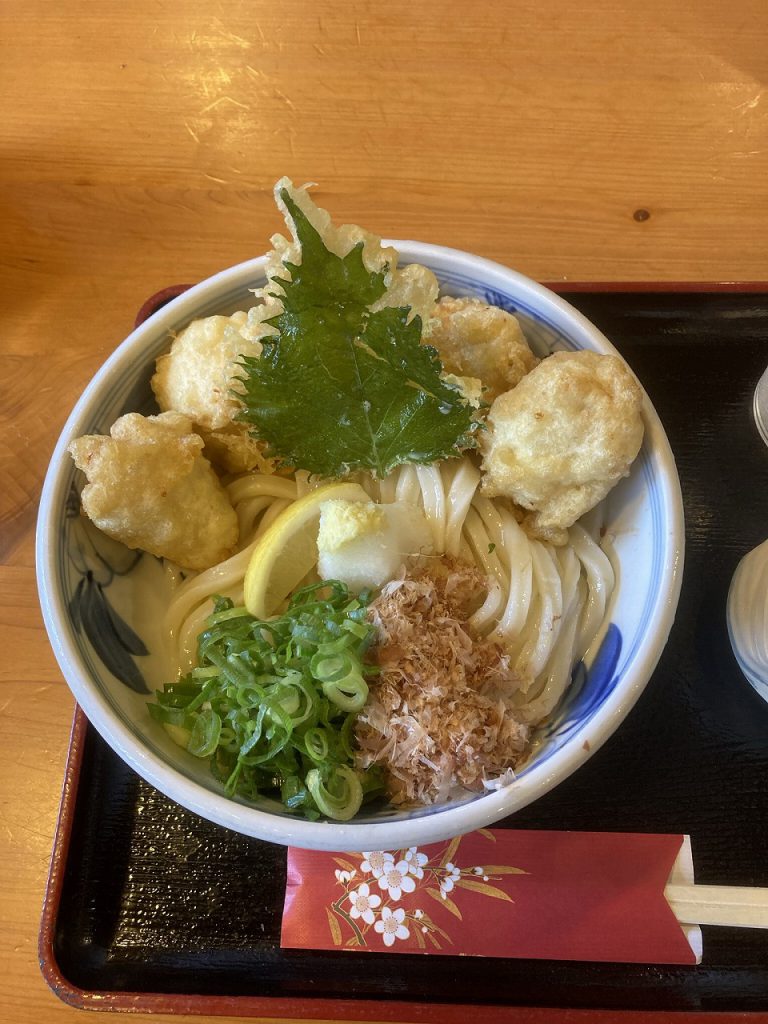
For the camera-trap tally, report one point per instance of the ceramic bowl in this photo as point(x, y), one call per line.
point(87, 582)
point(747, 617)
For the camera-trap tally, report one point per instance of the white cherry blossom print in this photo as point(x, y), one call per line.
point(415, 861)
point(343, 876)
point(364, 903)
point(395, 880)
point(376, 862)
point(452, 876)
point(390, 926)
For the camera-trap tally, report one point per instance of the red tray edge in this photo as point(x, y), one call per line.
point(328, 1009)
point(272, 1007)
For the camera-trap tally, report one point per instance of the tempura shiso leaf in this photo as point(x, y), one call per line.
point(344, 384)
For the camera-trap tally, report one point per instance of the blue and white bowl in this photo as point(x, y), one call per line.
point(102, 604)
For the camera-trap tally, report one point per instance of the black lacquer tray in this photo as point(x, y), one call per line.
point(150, 907)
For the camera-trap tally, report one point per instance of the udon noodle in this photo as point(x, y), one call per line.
point(545, 604)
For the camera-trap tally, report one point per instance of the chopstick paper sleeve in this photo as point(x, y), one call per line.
point(497, 892)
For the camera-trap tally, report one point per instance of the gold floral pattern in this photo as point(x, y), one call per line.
point(386, 896)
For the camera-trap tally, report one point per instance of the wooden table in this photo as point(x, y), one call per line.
point(599, 141)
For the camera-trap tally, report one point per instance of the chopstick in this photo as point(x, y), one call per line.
point(730, 905)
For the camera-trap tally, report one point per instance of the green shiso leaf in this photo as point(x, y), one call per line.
point(341, 386)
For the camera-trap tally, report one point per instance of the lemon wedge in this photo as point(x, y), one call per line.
point(288, 549)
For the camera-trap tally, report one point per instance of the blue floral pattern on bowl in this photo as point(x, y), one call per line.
point(98, 561)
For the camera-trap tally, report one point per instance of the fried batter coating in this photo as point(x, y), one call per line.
point(233, 449)
point(474, 339)
point(412, 285)
point(558, 442)
point(150, 487)
point(197, 377)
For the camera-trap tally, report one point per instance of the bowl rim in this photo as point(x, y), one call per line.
point(387, 834)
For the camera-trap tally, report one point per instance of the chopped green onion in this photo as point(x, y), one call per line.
point(168, 715)
point(330, 668)
point(341, 797)
point(350, 694)
point(227, 614)
point(205, 734)
point(316, 744)
point(204, 673)
point(359, 629)
point(272, 704)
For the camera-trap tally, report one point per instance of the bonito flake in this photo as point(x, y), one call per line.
point(439, 715)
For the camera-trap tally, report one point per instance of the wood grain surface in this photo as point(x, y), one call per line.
point(138, 146)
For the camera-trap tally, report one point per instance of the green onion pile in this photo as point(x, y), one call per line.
point(273, 703)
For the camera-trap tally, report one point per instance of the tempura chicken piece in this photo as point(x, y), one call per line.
point(197, 378)
point(474, 339)
point(150, 487)
point(559, 441)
